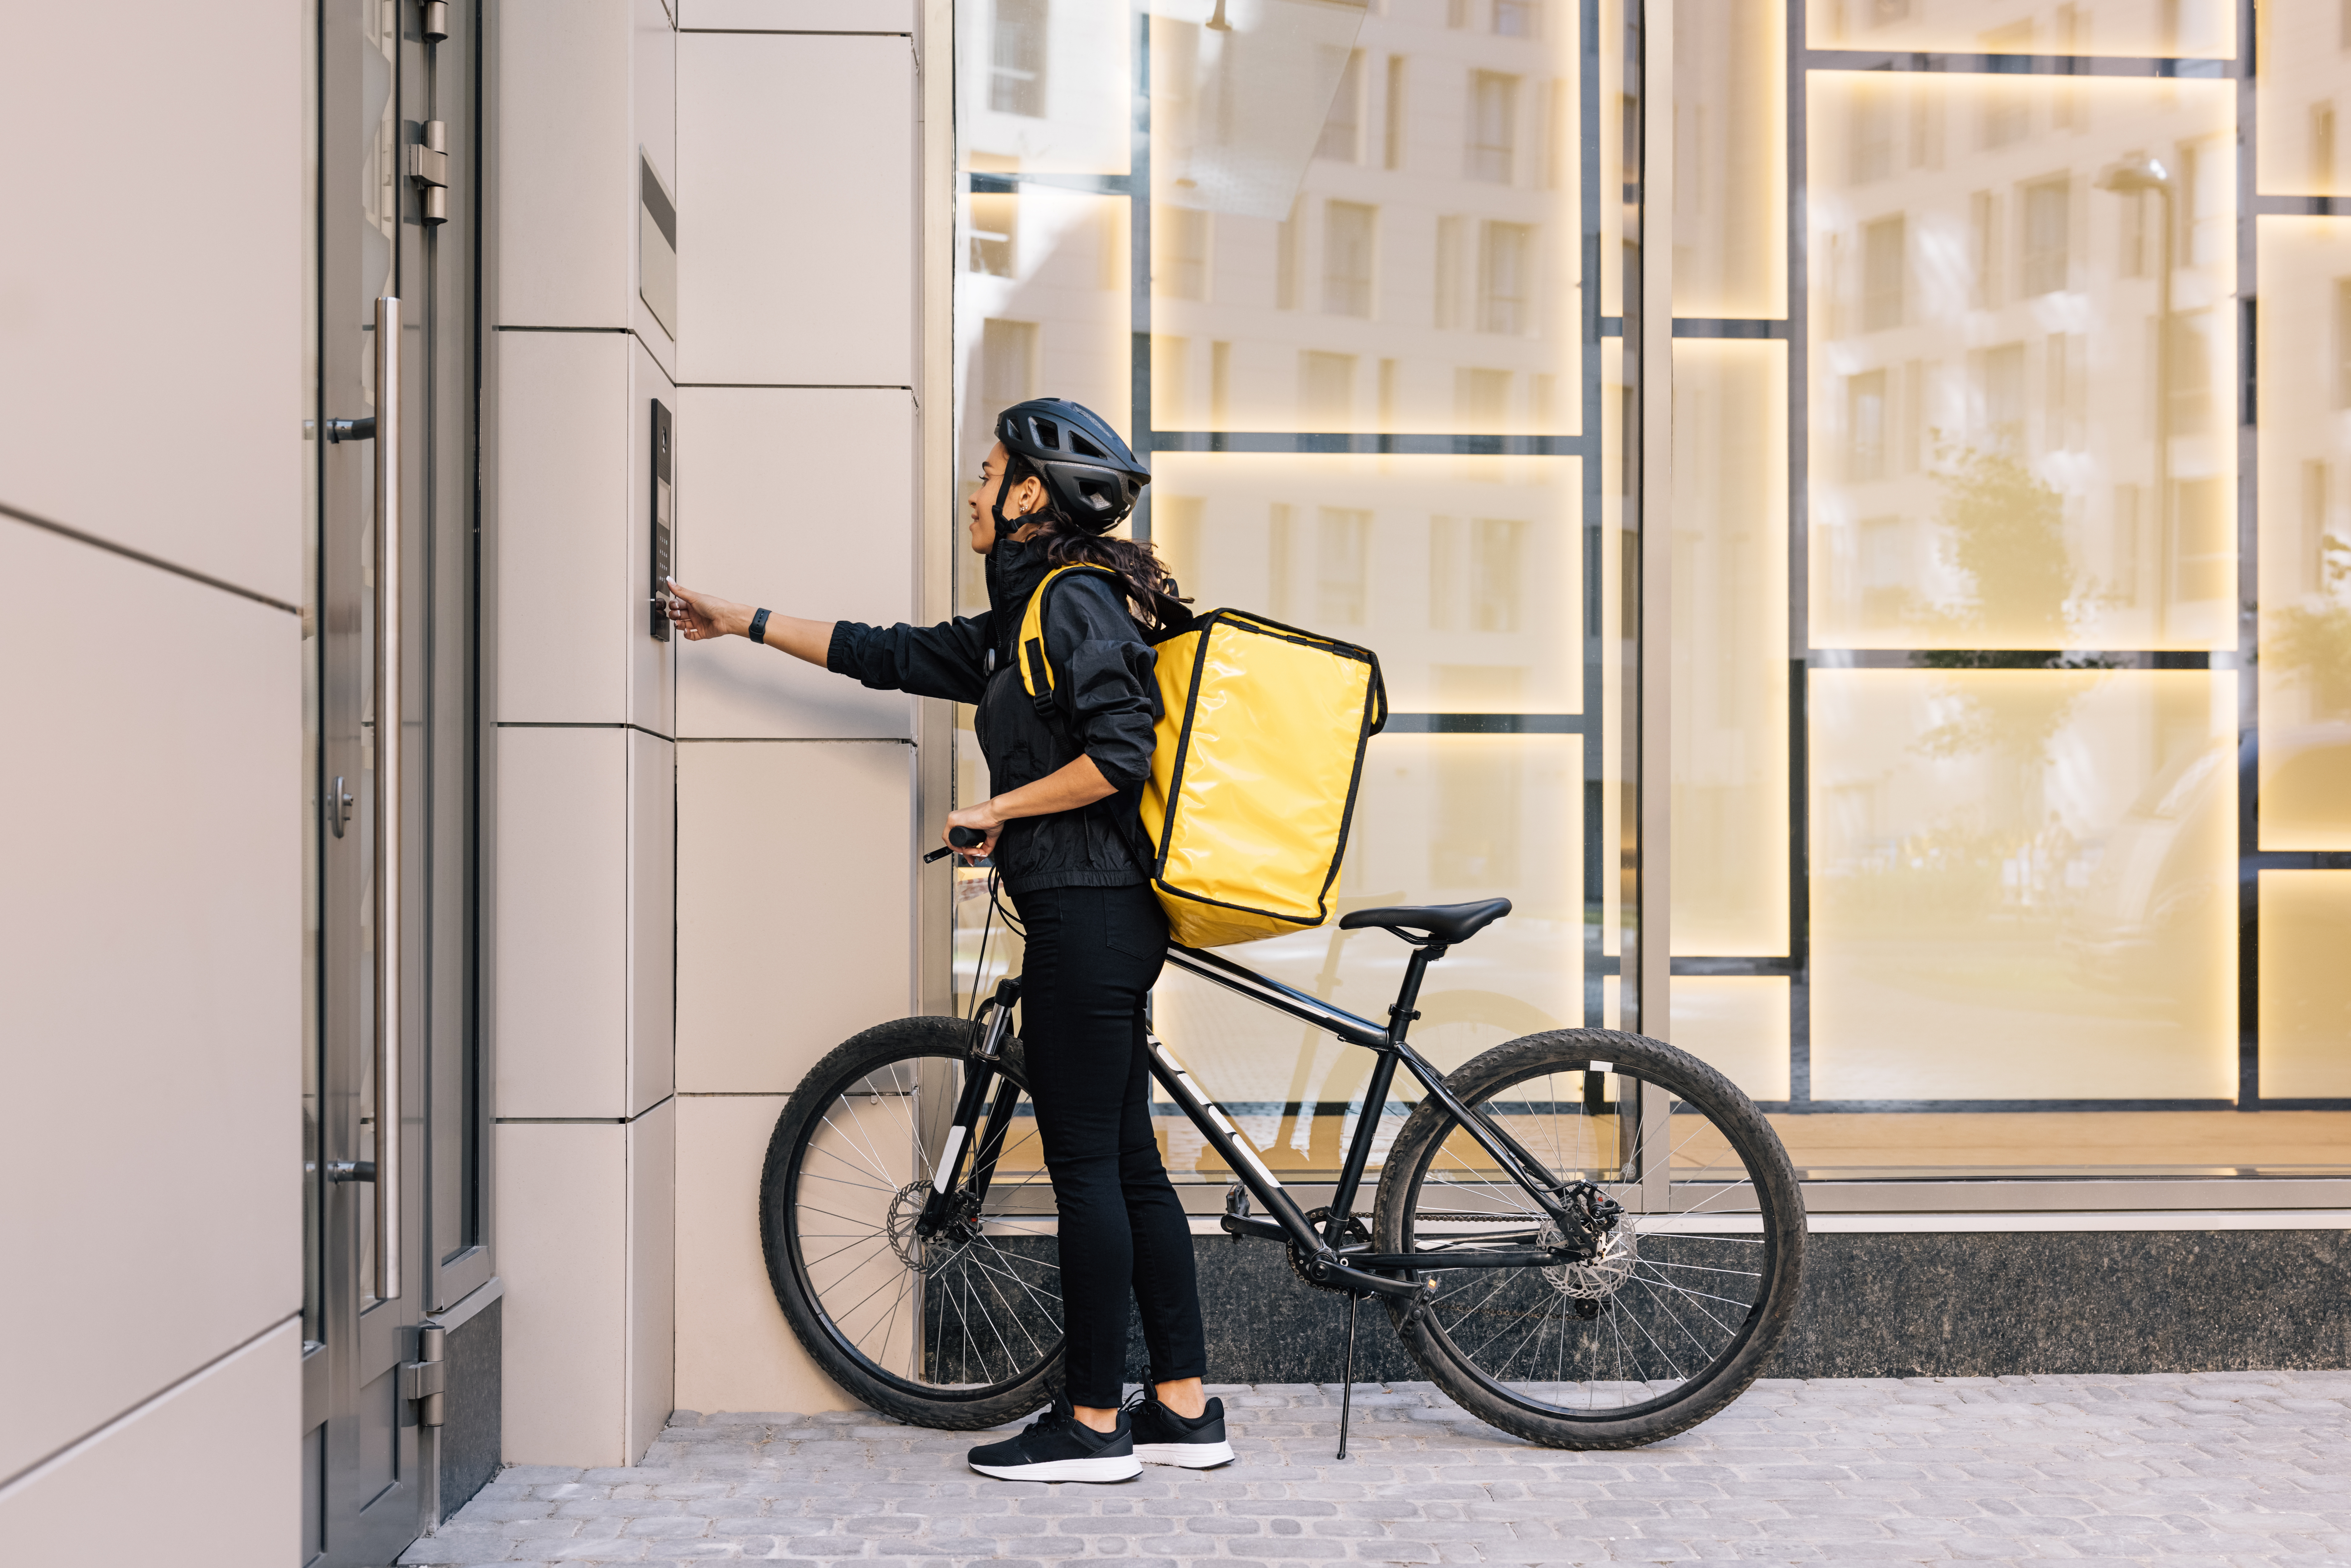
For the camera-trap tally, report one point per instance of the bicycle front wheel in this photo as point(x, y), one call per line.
point(1687, 1293)
point(961, 1329)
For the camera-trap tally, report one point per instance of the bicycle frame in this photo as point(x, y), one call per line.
point(1361, 1271)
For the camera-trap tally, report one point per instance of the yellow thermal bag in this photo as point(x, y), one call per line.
point(1260, 751)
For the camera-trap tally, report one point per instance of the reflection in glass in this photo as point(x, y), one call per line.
point(1054, 86)
point(2302, 102)
point(1469, 611)
point(2019, 418)
point(1730, 662)
point(2304, 397)
point(1736, 1025)
point(1441, 816)
point(2196, 29)
point(1729, 158)
point(2022, 884)
point(2305, 986)
point(1416, 274)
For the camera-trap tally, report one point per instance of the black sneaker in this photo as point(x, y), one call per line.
point(1058, 1446)
point(1163, 1438)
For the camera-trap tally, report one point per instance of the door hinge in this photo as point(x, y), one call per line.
point(435, 26)
point(425, 1379)
point(428, 165)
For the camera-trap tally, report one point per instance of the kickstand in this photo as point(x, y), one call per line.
point(1347, 1388)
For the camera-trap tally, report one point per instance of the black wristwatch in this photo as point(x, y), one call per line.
point(758, 633)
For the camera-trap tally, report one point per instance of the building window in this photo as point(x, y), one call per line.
point(994, 231)
point(1326, 390)
point(1872, 131)
point(1884, 265)
point(1865, 425)
point(1347, 247)
point(1285, 260)
point(1506, 278)
point(1518, 18)
point(2000, 393)
point(1343, 128)
point(1983, 250)
point(1482, 400)
point(1343, 541)
point(1497, 567)
point(1008, 362)
point(2047, 205)
point(1015, 78)
point(2342, 338)
point(1391, 126)
point(1493, 126)
point(1448, 272)
point(1179, 263)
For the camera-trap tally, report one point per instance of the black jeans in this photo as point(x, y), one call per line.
point(1093, 954)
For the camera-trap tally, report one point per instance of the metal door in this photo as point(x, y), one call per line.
point(394, 1211)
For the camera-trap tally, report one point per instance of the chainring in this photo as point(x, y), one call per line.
point(1356, 1231)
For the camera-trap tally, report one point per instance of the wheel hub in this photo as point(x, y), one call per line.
point(1613, 1253)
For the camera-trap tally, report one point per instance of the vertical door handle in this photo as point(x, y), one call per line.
point(388, 813)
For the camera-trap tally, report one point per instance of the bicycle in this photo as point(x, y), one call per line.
point(1620, 1286)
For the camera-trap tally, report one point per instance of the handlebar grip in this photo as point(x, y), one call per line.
point(965, 838)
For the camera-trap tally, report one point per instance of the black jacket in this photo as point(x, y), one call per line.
point(1104, 703)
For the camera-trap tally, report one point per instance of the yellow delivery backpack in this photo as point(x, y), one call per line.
point(1260, 749)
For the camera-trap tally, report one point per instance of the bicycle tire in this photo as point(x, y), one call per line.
point(1733, 1199)
point(826, 1151)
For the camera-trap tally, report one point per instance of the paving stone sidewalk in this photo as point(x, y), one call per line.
point(2239, 1469)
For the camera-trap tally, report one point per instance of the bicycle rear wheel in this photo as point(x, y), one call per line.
point(1686, 1295)
point(961, 1330)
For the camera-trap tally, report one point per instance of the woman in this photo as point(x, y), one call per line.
point(1066, 836)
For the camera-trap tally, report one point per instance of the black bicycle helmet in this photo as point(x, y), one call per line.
point(1092, 478)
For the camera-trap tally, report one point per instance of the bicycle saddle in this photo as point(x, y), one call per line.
point(1447, 923)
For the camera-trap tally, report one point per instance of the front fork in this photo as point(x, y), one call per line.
point(943, 1206)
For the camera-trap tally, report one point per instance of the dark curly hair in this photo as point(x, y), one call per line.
point(1153, 597)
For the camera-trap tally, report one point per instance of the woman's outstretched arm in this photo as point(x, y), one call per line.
point(701, 616)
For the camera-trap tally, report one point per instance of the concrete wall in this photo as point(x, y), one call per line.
point(799, 457)
point(584, 809)
point(151, 411)
point(710, 835)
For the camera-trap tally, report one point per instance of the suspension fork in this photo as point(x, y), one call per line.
point(982, 1068)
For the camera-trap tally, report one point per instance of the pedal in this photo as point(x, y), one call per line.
point(1236, 1206)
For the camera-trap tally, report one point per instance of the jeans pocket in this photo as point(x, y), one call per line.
point(1131, 921)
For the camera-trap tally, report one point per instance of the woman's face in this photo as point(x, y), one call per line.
point(1023, 501)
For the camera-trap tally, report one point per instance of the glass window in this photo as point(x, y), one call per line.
point(2199, 30)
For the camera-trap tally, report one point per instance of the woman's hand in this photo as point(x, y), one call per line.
point(984, 818)
point(701, 616)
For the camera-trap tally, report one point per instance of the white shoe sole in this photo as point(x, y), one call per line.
point(1124, 1468)
point(1190, 1456)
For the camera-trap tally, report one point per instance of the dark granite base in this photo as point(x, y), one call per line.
point(1972, 1304)
point(469, 1430)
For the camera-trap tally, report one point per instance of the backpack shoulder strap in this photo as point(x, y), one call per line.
point(1036, 669)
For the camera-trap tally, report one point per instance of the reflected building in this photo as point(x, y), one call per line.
point(1962, 569)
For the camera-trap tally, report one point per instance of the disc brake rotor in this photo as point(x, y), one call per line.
point(1604, 1273)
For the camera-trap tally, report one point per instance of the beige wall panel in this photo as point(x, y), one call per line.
point(653, 663)
point(567, 576)
point(652, 919)
point(770, 979)
point(771, 299)
point(213, 1467)
point(151, 946)
point(151, 388)
point(735, 1350)
point(652, 1275)
point(801, 499)
point(565, 162)
point(563, 1210)
point(562, 1009)
point(654, 61)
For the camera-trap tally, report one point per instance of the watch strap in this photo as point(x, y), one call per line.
point(758, 633)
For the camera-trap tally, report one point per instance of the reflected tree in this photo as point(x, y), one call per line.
point(2312, 643)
